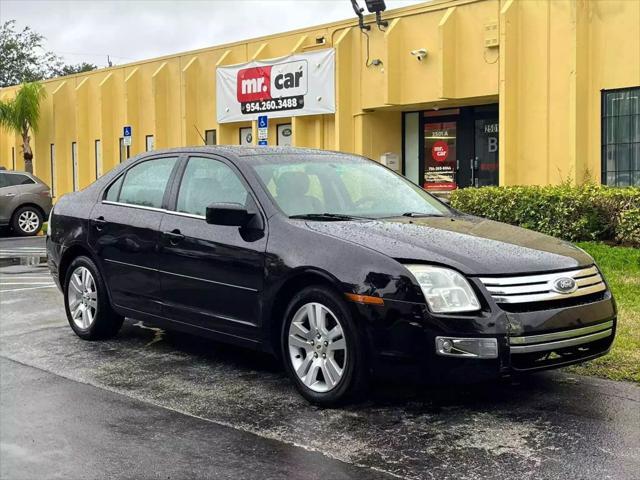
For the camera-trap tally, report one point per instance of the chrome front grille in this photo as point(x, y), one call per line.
point(543, 287)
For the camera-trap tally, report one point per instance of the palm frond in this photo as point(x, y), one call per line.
point(27, 106)
point(7, 115)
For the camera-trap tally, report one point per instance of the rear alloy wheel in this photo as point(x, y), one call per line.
point(82, 298)
point(27, 221)
point(322, 348)
point(87, 304)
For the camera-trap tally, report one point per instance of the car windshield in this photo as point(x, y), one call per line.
point(340, 187)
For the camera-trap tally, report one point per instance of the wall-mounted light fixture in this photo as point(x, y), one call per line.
point(420, 53)
point(359, 10)
point(377, 7)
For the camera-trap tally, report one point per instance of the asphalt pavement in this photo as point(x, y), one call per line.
point(161, 404)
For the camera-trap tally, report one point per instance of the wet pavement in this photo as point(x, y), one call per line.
point(551, 425)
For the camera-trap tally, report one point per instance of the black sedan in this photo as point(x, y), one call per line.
point(337, 264)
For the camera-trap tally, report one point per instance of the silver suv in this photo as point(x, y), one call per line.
point(25, 201)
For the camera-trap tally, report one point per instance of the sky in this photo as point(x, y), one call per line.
point(89, 30)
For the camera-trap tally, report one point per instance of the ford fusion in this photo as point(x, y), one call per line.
point(338, 265)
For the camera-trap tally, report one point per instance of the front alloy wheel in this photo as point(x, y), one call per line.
point(317, 347)
point(323, 348)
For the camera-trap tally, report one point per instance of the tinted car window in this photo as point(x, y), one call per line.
point(114, 190)
point(206, 181)
point(145, 183)
point(11, 179)
point(341, 184)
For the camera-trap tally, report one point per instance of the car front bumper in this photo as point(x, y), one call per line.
point(405, 338)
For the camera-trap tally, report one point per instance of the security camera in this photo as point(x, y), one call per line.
point(420, 53)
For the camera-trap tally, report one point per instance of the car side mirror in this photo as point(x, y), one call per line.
point(229, 214)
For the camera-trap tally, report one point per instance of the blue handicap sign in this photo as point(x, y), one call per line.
point(262, 143)
point(126, 131)
point(263, 121)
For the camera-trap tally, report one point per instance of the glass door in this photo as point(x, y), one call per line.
point(485, 168)
point(440, 156)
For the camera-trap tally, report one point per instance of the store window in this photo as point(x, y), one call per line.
point(74, 163)
point(52, 163)
point(246, 136)
point(440, 154)
point(210, 137)
point(285, 132)
point(621, 137)
point(98, 157)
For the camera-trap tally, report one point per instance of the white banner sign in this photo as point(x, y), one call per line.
point(300, 84)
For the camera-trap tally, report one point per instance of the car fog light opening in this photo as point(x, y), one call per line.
point(445, 290)
point(467, 347)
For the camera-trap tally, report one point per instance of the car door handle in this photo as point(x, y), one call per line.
point(174, 236)
point(9, 194)
point(99, 223)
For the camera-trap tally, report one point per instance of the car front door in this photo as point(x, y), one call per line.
point(124, 233)
point(211, 275)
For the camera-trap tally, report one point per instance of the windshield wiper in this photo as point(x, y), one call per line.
point(420, 214)
point(328, 216)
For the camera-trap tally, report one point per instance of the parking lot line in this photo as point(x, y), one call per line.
point(27, 288)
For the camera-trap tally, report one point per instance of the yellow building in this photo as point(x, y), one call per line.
point(451, 93)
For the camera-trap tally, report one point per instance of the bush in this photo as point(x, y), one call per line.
point(587, 212)
point(628, 229)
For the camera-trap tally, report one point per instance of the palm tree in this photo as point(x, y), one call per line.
point(21, 115)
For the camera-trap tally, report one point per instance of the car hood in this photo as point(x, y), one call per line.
point(473, 245)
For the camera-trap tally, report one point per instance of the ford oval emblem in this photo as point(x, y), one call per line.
point(565, 285)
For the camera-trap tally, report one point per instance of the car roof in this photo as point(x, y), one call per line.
point(245, 151)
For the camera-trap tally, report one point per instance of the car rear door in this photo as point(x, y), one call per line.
point(124, 232)
point(15, 190)
point(211, 276)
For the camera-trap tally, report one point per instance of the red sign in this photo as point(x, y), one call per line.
point(440, 151)
point(254, 84)
point(283, 80)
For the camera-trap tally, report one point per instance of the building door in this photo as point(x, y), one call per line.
point(485, 171)
point(440, 154)
point(453, 148)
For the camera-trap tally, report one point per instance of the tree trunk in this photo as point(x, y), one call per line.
point(27, 153)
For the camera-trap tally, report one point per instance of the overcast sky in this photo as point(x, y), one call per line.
point(89, 30)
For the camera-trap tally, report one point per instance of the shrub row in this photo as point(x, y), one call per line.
point(575, 213)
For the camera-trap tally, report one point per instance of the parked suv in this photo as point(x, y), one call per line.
point(335, 263)
point(25, 201)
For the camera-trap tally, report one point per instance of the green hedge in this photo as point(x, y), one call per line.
point(587, 212)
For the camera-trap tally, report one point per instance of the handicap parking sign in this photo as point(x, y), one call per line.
point(126, 131)
point(263, 121)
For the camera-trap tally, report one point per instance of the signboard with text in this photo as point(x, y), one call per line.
point(440, 156)
point(299, 84)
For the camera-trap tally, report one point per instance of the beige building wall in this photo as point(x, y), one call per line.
point(545, 62)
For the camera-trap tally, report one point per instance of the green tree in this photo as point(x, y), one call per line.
point(24, 59)
point(73, 69)
point(21, 115)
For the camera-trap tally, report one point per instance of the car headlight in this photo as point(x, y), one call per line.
point(445, 290)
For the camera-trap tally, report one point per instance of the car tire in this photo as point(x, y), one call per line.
point(327, 362)
point(86, 302)
point(27, 221)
